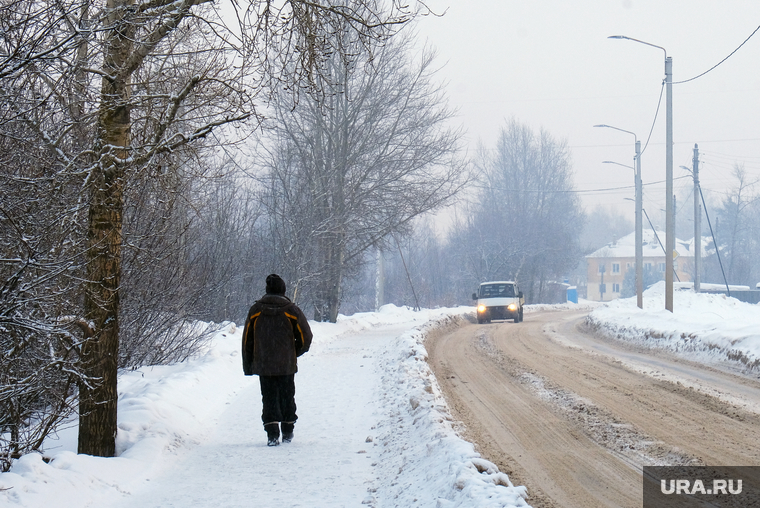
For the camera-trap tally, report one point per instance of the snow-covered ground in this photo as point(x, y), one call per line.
point(373, 427)
point(703, 327)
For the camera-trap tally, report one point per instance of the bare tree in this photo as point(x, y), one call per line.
point(356, 166)
point(117, 92)
point(738, 234)
point(224, 243)
point(40, 221)
point(526, 223)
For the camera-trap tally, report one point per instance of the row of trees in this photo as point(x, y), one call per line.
point(157, 162)
point(343, 199)
point(737, 231)
point(112, 116)
point(144, 188)
point(525, 222)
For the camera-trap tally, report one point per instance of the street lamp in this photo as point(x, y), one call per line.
point(670, 223)
point(623, 165)
point(639, 232)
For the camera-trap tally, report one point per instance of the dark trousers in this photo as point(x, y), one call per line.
point(278, 395)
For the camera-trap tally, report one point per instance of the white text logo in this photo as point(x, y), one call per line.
point(686, 487)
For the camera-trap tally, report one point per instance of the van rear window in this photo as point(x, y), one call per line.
point(497, 291)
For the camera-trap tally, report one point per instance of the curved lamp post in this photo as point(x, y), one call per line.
point(670, 226)
point(639, 233)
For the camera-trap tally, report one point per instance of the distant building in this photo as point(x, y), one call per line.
point(607, 266)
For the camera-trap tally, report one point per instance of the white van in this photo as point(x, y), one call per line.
point(499, 300)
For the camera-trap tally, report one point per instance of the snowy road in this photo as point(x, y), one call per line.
point(573, 417)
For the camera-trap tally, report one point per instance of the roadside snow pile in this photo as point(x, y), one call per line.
point(582, 305)
point(705, 327)
point(421, 451)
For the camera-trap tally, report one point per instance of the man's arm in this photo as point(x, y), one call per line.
point(301, 330)
point(248, 342)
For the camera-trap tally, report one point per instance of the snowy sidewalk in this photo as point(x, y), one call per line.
point(329, 463)
point(373, 430)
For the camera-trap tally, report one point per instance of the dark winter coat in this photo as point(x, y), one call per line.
point(276, 332)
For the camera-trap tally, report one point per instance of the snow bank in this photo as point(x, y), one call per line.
point(704, 327)
point(554, 307)
point(421, 450)
point(161, 409)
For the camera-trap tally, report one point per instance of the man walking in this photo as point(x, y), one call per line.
point(276, 333)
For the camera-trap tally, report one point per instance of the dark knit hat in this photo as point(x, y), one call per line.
point(275, 285)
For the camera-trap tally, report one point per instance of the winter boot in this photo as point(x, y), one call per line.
point(287, 431)
point(273, 433)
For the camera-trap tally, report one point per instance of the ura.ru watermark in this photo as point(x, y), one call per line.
point(697, 486)
point(721, 486)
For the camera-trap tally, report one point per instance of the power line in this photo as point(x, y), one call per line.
point(717, 64)
point(661, 144)
point(573, 191)
point(659, 101)
point(729, 156)
point(657, 112)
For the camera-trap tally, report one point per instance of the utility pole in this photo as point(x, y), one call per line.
point(697, 221)
point(639, 221)
point(670, 237)
point(639, 232)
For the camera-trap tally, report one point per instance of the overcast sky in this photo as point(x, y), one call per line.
point(549, 64)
